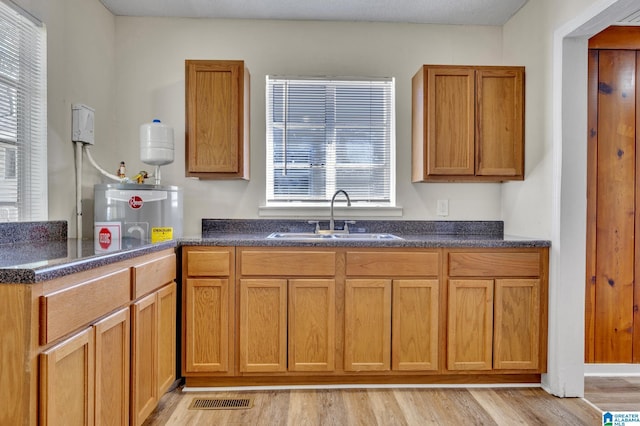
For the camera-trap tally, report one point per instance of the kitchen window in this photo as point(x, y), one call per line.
point(23, 157)
point(325, 134)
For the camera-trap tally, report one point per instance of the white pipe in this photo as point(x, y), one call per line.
point(79, 190)
point(101, 170)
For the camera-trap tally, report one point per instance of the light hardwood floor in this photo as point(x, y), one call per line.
point(613, 393)
point(390, 407)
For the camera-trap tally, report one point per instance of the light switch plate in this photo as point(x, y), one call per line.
point(442, 208)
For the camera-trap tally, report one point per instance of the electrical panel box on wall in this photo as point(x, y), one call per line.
point(82, 119)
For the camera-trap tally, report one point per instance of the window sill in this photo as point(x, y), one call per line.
point(317, 212)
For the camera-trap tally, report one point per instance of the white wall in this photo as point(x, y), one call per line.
point(150, 54)
point(552, 37)
point(80, 69)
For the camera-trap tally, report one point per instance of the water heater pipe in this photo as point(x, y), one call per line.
point(101, 170)
point(79, 190)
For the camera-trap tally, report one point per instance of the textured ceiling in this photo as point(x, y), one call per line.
point(471, 12)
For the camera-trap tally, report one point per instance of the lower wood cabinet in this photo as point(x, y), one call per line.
point(264, 315)
point(470, 325)
point(415, 325)
point(391, 324)
point(287, 325)
point(312, 325)
point(367, 325)
point(516, 324)
point(152, 369)
point(96, 347)
point(85, 379)
point(208, 311)
point(113, 355)
point(67, 376)
point(263, 325)
point(496, 315)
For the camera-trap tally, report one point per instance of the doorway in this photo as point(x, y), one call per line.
point(612, 321)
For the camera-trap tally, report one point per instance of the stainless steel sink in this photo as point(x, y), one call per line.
point(302, 236)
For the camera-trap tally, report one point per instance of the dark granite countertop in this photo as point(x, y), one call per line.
point(29, 263)
point(427, 234)
point(32, 252)
point(36, 252)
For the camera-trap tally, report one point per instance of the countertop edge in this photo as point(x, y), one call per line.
point(33, 275)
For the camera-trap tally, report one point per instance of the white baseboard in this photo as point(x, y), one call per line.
point(358, 386)
point(611, 370)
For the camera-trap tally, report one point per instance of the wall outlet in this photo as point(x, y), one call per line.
point(82, 123)
point(442, 208)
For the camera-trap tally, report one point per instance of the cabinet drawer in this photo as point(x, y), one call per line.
point(289, 263)
point(473, 264)
point(154, 274)
point(208, 263)
point(63, 311)
point(399, 264)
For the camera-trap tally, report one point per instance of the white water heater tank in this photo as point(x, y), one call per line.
point(156, 143)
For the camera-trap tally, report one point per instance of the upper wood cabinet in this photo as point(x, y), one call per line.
point(468, 123)
point(217, 119)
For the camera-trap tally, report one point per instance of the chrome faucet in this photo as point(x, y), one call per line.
point(333, 199)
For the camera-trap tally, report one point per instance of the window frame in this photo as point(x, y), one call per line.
point(23, 194)
point(329, 187)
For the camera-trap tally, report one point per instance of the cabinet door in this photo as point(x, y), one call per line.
point(167, 299)
point(516, 324)
point(144, 356)
point(217, 132)
point(312, 324)
point(112, 369)
point(207, 341)
point(263, 325)
point(367, 325)
point(67, 373)
point(470, 328)
point(415, 325)
point(450, 101)
point(500, 122)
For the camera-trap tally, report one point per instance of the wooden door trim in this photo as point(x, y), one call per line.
point(617, 37)
point(635, 348)
point(592, 203)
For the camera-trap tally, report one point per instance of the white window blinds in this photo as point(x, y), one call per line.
point(330, 134)
point(23, 157)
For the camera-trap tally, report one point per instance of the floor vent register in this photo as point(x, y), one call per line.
point(221, 403)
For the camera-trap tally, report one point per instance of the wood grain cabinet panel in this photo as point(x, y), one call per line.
point(287, 263)
point(468, 123)
point(67, 375)
point(397, 264)
point(144, 358)
point(494, 264)
point(470, 325)
point(148, 276)
point(415, 340)
point(208, 261)
point(70, 308)
point(112, 369)
point(167, 315)
point(263, 325)
point(217, 119)
point(209, 307)
point(367, 325)
point(312, 325)
point(516, 324)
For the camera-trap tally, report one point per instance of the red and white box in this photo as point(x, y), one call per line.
point(107, 237)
